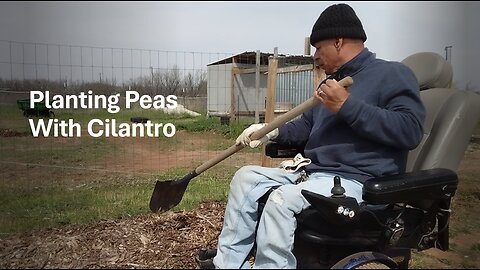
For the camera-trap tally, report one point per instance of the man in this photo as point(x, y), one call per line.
point(357, 133)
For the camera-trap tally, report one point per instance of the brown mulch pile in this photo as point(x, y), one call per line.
point(166, 240)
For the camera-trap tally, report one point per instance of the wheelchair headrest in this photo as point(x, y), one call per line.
point(431, 70)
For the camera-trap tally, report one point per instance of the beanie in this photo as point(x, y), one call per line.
point(337, 21)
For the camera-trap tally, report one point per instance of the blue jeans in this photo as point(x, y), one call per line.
point(275, 234)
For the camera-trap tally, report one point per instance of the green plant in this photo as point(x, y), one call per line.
point(114, 196)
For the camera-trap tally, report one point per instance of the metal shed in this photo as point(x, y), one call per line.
point(231, 83)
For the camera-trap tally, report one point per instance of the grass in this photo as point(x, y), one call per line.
point(204, 123)
point(84, 151)
point(45, 186)
point(34, 209)
point(25, 209)
point(213, 185)
point(12, 118)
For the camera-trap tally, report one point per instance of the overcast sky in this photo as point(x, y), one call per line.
point(394, 29)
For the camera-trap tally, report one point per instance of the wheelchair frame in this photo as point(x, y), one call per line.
point(399, 213)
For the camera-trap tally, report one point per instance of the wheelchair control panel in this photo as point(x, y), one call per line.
point(338, 208)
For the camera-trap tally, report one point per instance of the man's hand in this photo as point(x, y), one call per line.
point(244, 138)
point(332, 95)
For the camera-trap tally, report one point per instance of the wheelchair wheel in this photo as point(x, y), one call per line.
point(366, 260)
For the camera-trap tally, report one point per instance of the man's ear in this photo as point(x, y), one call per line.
point(338, 43)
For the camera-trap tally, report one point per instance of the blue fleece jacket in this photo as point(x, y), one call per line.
point(375, 128)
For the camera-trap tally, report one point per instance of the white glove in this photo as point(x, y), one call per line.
point(294, 164)
point(244, 138)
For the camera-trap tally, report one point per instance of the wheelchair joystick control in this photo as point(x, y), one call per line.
point(337, 191)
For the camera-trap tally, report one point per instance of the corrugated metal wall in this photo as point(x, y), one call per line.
point(293, 88)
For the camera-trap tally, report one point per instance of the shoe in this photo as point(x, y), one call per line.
point(205, 258)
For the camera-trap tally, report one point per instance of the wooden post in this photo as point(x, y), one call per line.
point(271, 87)
point(232, 92)
point(257, 87)
point(306, 49)
point(318, 76)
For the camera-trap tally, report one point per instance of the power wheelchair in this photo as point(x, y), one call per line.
point(400, 212)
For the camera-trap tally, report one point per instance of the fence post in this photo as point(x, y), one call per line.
point(271, 87)
point(306, 47)
point(257, 86)
point(232, 92)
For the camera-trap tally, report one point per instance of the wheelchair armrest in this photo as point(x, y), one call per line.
point(276, 150)
point(432, 184)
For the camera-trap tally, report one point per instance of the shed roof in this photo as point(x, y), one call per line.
point(250, 58)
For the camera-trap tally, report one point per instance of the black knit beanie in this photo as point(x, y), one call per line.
point(337, 21)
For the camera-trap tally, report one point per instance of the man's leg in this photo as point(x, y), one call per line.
point(238, 232)
point(275, 235)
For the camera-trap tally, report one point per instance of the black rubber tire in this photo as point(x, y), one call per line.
point(366, 260)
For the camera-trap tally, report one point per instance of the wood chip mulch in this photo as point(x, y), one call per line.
point(166, 240)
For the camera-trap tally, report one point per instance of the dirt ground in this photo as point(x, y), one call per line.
point(170, 240)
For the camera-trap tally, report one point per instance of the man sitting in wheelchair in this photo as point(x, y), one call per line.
point(355, 145)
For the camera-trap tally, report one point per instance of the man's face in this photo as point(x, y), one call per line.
point(327, 56)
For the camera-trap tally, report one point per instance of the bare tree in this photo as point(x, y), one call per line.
point(188, 85)
point(195, 85)
point(202, 84)
point(170, 82)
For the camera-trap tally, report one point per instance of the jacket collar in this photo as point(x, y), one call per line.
point(356, 64)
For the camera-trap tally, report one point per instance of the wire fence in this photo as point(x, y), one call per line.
point(73, 64)
point(213, 85)
point(67, 70)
